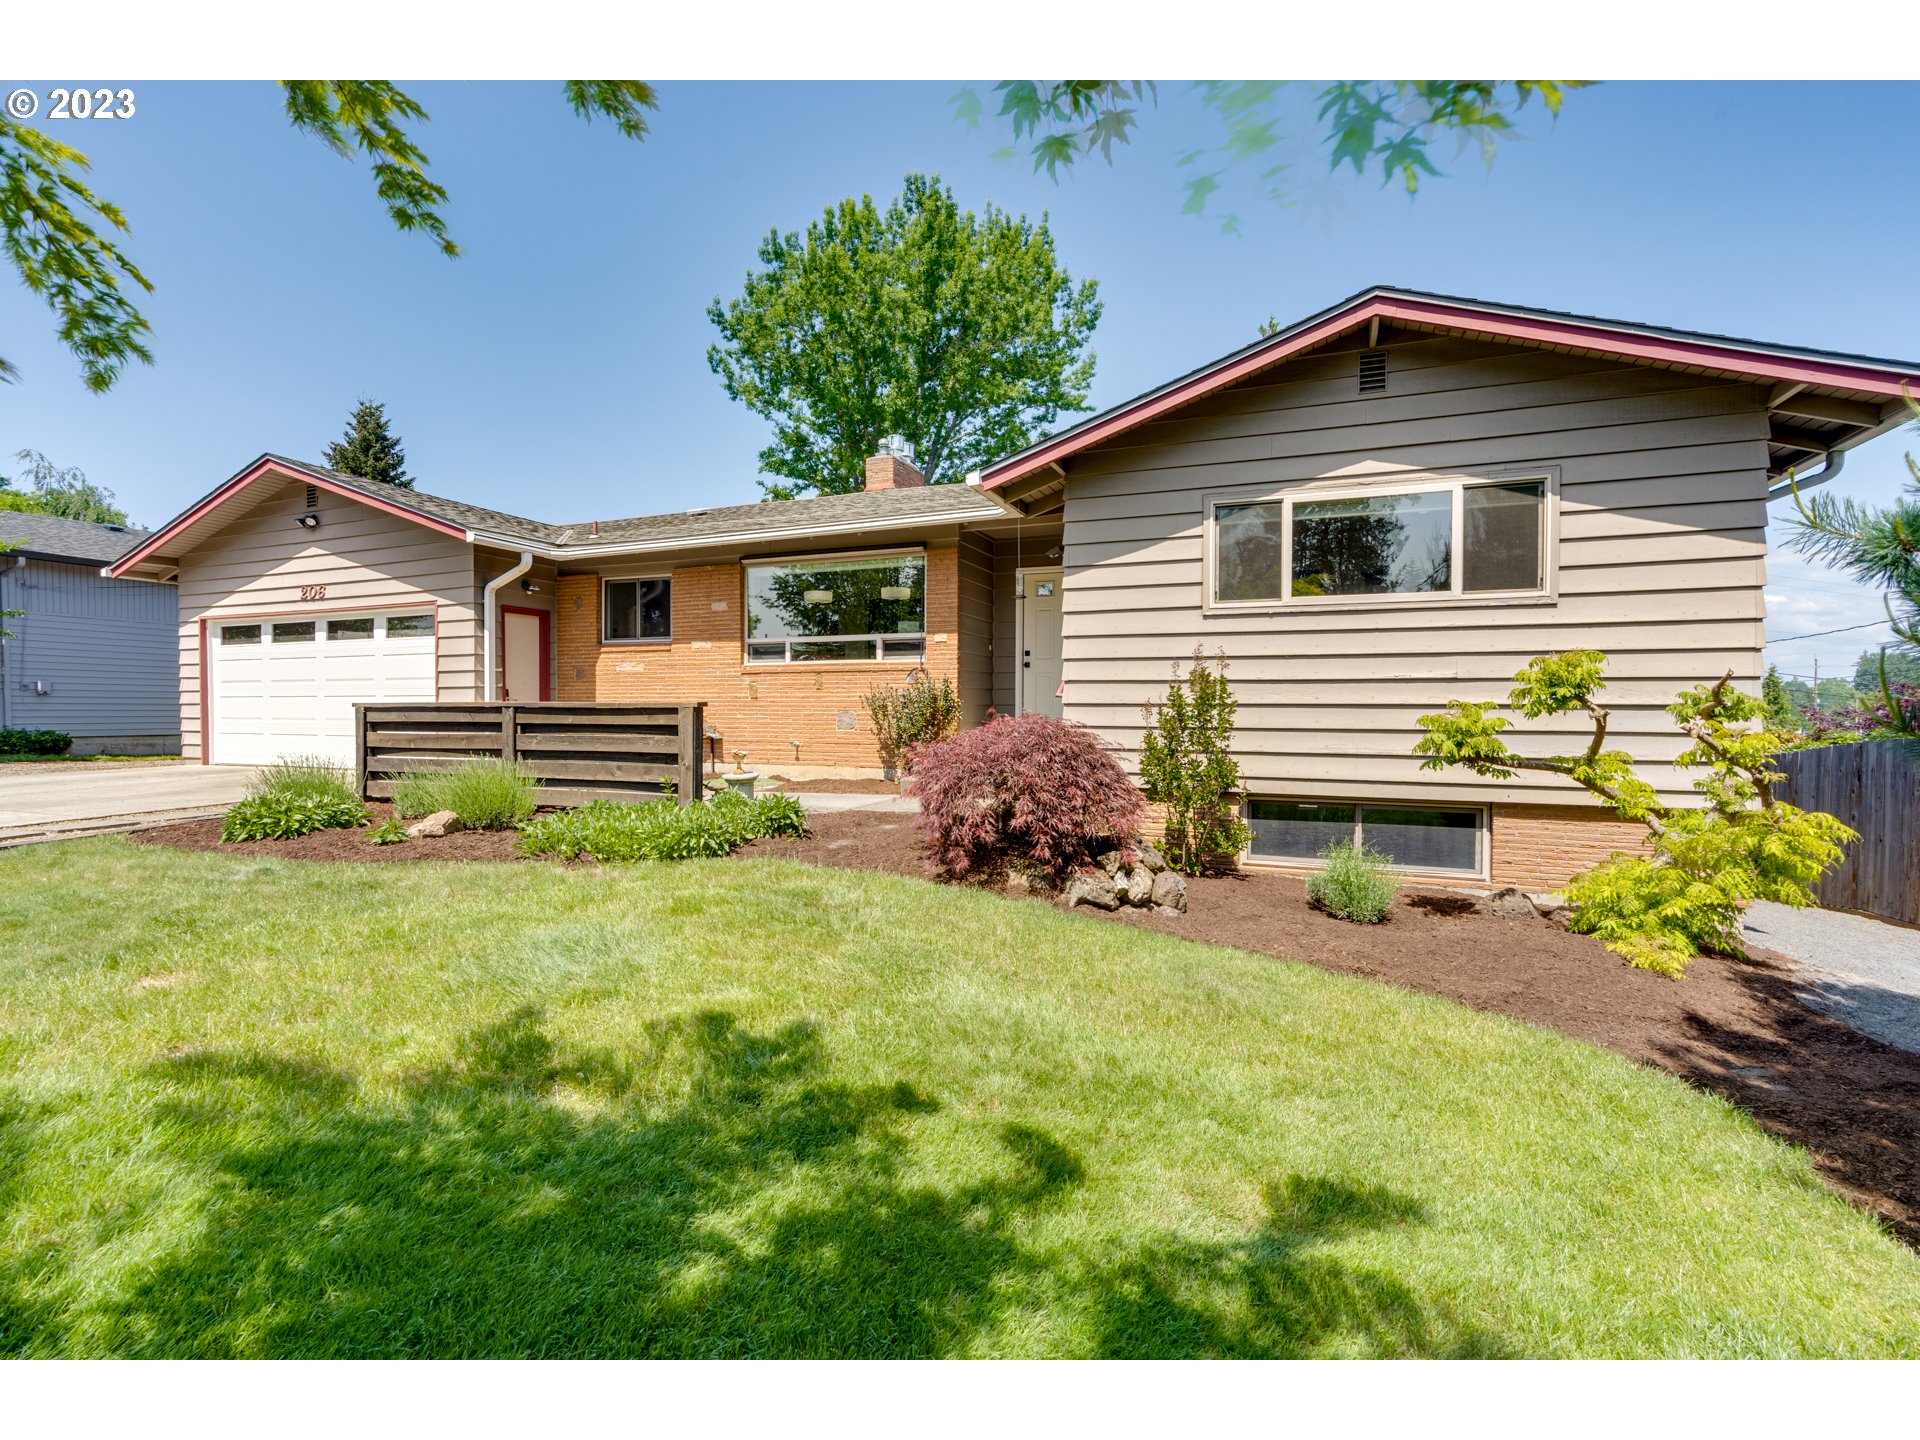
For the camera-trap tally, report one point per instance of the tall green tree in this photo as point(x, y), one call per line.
point(64, 240)
point(59, 490)
point(961, 332)
point(1391, 125)
point(1878, 546)
point(370, 449)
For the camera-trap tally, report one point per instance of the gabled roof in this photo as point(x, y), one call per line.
point(50, 537)
point(1872, 380)
point(772, 520)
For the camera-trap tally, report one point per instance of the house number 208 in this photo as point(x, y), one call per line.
point(313, 592)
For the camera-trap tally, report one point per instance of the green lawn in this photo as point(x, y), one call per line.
point(720, 1108)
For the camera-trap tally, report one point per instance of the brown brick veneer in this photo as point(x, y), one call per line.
point(1540, 847)
point(757, 708)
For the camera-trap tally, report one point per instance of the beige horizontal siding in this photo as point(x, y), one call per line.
point(364, 557)
point(1660, 560)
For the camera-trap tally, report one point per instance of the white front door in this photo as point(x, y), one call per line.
point(286, 685)
point(1039, 637)
point(522, 665)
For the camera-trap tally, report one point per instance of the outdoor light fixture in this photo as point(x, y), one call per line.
point(818, 597)
point(894, 592)
point(308, 522)
point(527, 587)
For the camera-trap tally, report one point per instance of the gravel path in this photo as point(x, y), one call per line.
point(1857, 969)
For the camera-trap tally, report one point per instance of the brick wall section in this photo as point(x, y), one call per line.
point(1540, 847)
point(756, 708)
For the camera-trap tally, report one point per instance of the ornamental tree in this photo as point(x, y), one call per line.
point(1187, 767)
point(1742, 843)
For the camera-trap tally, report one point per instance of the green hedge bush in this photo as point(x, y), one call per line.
point(286, 817)
point(34, 742)
point(662, 829)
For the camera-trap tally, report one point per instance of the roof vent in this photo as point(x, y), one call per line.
point(313, 497)
point(1373, 372)
point(898, 446)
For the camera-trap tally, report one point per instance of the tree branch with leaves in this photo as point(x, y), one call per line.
point(1741, 843)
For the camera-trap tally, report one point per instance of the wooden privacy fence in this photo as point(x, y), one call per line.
point(1874, 787)
point(578, 752)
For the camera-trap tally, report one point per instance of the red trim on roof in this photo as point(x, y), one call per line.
point(1539, 330)
point(246, 477)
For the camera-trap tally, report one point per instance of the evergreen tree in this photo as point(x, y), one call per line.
point(1773, 696)
point(370, 449)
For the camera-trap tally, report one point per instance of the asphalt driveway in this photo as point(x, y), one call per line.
point(49, 801)
point(1863, 971)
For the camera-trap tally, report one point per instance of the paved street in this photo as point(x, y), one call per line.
point(83, 798)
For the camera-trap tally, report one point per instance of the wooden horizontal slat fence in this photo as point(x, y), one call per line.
point(1874, 787)
point(578, 752)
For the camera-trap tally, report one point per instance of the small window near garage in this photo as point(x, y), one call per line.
point(1430, 839)
point(293, 631)
point(239, 634)
point(639, 610)
point(360, 627)
point(400, 627)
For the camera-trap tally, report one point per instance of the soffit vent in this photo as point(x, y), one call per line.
point(313, 497)
point(1373, 372)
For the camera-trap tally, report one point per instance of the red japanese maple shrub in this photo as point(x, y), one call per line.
point(1022, 787)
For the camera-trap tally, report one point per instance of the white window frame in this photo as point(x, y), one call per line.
point(606, 580)
point(1482, 843)
point(825, 561)
point(1410, 484)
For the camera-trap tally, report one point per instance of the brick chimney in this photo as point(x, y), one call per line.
point(893, 467)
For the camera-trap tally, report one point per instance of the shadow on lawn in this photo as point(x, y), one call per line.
point(709, 1193)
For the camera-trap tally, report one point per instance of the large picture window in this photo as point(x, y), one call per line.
point(639, 609)
point(1435, 540)
point(859, 607)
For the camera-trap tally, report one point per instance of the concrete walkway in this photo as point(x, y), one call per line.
point(827, 803)
point(59, 802)
point(1857, 969)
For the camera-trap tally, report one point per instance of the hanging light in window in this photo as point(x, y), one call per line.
point(817, 597)
point(895, 592)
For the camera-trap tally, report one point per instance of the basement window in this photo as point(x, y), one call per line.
point(846, 607)
point(1436, 840)
point(638, 610)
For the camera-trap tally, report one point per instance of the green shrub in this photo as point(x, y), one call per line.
point(304, 777)
point(391, 833)
point(286, 817)
point(1356, 885)
point(34, 742)
point(1186, 766)
point(662, 829)
point(485, 794)
point(913, 715)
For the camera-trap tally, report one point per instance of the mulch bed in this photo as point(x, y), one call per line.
point(338, 845)
point(1735, 1028)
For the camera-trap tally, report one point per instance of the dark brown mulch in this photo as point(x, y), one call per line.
point(1732, 1027)
point(337, 845)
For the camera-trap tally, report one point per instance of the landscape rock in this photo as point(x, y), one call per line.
point(1095, 890)
point(1170, 892)
point(1149, 855)
point(1509, 904)
point(1112, 861)
point(1139, 885)
point(441, 822)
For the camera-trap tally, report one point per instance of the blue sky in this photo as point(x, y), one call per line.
point(558, 368)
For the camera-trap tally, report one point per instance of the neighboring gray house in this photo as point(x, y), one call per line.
point(96, 657)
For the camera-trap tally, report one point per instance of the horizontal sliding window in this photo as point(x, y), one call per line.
point(1413, 837)
point(862, 607)
point(639, 609)
point(1462, 538)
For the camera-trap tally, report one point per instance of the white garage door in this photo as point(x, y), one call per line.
point(283, 687)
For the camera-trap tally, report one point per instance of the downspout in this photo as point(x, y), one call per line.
point(489, 610)
point(10, 649)
point(1794, 484)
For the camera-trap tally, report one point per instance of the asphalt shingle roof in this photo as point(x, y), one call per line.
point(49, 537)
point(825, 512)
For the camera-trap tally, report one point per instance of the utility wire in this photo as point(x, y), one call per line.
point(1812, 634)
